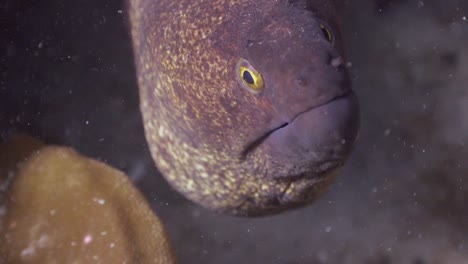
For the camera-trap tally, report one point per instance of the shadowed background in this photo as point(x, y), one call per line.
point(67, 76)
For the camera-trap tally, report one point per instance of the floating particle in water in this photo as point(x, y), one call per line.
point(99, 201)
point(87, 239)
point(29, 251)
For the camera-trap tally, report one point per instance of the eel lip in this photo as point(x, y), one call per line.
point(254, 144)
point(257, 142)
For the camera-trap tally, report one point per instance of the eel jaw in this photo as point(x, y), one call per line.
point(314, 142)
point(300, 159)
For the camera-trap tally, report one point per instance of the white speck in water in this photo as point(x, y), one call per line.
point(99, 201)
point(101, 139)
point(343, 141)
point(337, 62)
point(119, 11)
point(328, 229)
point(87, 239)
point(40, 45)
point(349, 64)
point(52, 212)
point(6, 183)
point(112, 245)
point(43, 241)
point(73, 243)
point(323, 257)
point(29, 251)
point(464, 18)
point(103, 233)
point(387, 132)
point(421, 4)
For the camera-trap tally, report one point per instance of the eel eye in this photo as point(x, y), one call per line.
point(248, 77)
point(327, 33)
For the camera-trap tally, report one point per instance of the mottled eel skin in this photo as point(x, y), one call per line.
point(247, 104)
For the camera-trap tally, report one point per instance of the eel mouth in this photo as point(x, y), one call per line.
point(301, 157)
point(250, 147)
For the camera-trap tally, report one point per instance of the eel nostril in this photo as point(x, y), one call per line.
point(337, 62)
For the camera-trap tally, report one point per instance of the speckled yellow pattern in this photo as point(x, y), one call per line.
point(197, 119)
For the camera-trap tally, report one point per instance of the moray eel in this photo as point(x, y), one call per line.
point(57, 206)
point(247, 105)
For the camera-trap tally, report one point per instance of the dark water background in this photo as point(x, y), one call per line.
point(67, 77)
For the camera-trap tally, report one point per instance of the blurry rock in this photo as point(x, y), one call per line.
point(57, 206)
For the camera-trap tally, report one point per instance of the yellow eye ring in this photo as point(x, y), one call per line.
point(248, 77)
point(327, 33)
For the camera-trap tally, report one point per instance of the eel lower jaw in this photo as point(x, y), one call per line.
point(300, 191)
point(294, 193)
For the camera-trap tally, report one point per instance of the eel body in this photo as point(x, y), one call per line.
point(57, 206)
point(247, 104)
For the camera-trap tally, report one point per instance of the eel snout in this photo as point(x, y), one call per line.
point(318, 139)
